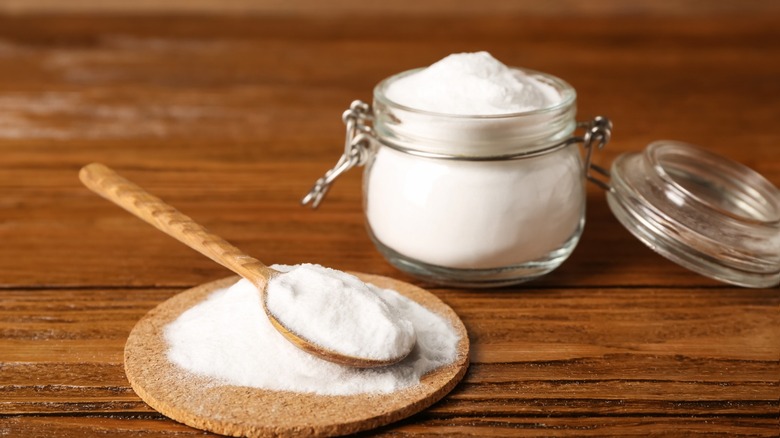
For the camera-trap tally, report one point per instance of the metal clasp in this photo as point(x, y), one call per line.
point(597, 134)
point(358, 140)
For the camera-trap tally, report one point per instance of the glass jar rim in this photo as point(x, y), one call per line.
point(567, 93)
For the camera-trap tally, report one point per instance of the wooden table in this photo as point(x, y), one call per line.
point(232, 118)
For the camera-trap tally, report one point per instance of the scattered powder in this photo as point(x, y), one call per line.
point(339, 312)
point(228, 337)
point(472, 84)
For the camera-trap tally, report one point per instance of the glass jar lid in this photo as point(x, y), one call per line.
point(707, 213)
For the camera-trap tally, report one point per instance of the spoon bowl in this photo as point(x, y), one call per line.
point(151, 209)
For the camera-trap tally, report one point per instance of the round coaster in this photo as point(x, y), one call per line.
point(242, 411)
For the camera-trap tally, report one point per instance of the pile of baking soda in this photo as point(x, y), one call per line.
point(229, 338)
point(339, 313)
point(472, 84)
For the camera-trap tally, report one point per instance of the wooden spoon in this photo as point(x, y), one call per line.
point(108, 184)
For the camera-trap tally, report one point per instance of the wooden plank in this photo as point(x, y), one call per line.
point(572, 352)
point(552, 426)
point(400, 7)
point(421, 425)
point(70, 426)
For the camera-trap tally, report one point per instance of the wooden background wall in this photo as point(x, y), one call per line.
point(443, 7)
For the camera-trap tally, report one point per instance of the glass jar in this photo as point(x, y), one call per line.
point(472, 200)
point(484, 201)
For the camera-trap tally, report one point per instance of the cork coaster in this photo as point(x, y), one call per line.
point(241, 411)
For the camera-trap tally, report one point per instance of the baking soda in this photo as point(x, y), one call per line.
point(229, 338)
point(472, 84)
point(475, 215)
point(339, 312)
point(472, 213)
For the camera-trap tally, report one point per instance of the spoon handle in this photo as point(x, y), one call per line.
point(110, 185)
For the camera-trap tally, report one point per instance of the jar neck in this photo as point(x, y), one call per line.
point(481, 136)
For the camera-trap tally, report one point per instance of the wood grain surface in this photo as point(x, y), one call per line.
point(232, 118)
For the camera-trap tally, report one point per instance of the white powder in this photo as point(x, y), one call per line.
point(339, 312)
point(228, 337)
point(471, 214)
point(472, 84)
point(475, 215)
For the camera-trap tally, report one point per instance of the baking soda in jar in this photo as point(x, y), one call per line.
point(473, 175)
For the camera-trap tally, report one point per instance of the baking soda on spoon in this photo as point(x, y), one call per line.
point(351, 318)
